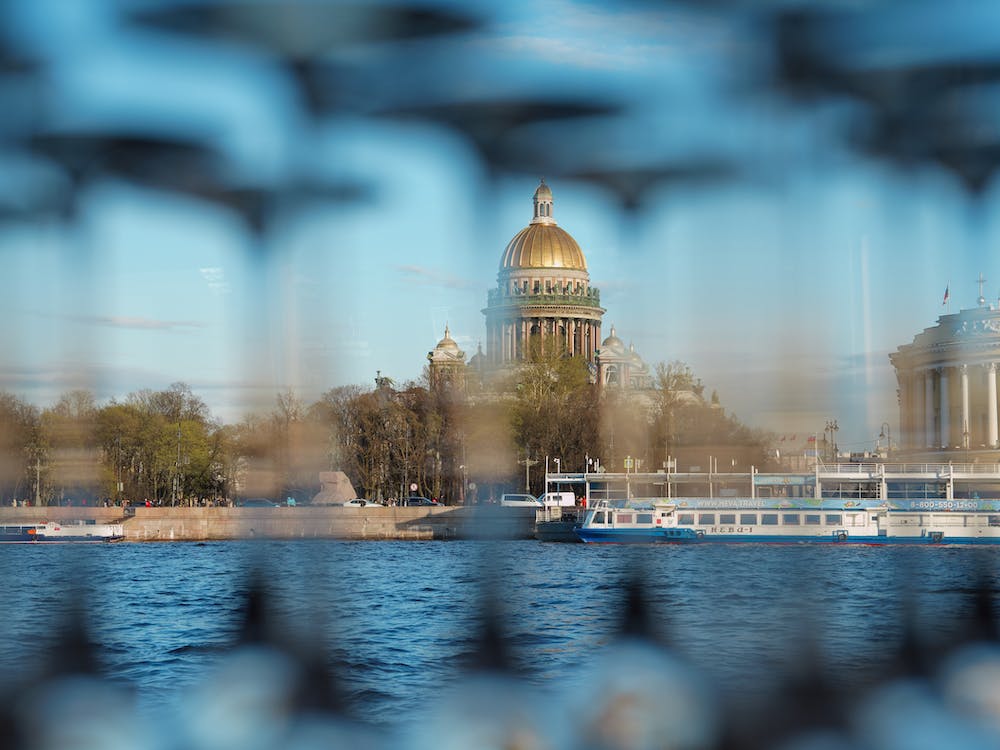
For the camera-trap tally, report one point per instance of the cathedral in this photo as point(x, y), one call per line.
point(543, 303)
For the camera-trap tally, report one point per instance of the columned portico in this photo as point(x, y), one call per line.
point(947, 384)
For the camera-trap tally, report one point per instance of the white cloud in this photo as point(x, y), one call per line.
point(567, 33)
point(215, 277)
point(431, 277)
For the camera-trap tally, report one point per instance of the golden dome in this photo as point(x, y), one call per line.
point(543, 246)
point(447, 343)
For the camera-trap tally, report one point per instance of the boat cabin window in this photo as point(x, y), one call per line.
point(623, 518)
point(727, 518)
point(790, 519)
point(769, 519)
point(748, 519)
point(994, 520)
point(685, 519)
point(708, 518)
point(834, 519)
point(644, 518)
point(812, 519)
point(598, 517)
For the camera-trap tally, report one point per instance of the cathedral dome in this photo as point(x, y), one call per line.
point(543, 244)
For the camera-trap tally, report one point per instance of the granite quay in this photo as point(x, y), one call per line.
point(178, 524)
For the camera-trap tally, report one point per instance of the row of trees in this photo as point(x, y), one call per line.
point(451, 443)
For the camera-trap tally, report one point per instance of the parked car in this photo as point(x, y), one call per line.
point(360, 502)
point(520, 501)
point(420, 501)
point(257, 502)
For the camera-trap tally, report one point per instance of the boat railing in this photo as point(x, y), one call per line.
point(936, 469)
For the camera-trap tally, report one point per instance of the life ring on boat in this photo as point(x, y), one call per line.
point(841, 536)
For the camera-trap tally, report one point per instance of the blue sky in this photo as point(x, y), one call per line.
point(785, 288)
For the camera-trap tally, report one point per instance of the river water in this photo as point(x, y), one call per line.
point(399, 616)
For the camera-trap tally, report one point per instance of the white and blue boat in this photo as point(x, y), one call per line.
point(734, 520)
point(52, 531)
point(844, 504)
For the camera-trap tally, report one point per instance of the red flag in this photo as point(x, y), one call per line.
point(945, 300)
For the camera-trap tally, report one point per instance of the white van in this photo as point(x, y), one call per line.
point(520, 501)
point(561, 499)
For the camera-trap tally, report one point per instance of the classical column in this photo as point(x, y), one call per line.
point(944, 406)
point(964, 370)
point(991, 402)
point(907, 408)
point(928, 436)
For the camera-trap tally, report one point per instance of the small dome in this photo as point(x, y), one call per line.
point(613, 343)
point(543, 191)
point(478, 360)
point(447, 343)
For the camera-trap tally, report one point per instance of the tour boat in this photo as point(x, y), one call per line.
point(700, 520)
point(52, 531)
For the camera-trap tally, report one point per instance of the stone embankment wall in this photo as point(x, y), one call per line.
point(59, 513)
point(302, 522)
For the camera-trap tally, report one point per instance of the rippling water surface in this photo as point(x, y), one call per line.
point(399, 615)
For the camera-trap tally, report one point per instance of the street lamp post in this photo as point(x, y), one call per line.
point(528, 463)
point(885, 433)
point(832, 427)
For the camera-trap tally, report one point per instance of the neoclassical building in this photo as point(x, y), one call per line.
point(948, 383)
point(543, 302)
point(621, 367)
point(446, 363)
point(543, 296)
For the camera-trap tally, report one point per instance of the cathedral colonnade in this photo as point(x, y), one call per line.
point(510, 340)
point(950, 406)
